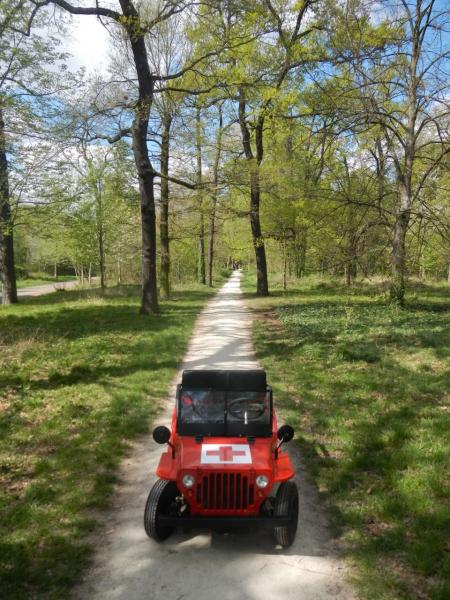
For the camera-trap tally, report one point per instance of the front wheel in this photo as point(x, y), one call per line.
point(286, 505)
point(160, 501)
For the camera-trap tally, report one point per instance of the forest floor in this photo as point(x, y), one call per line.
point(367, 387)
point(80, 375)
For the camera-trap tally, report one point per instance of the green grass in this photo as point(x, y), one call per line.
point(80, 375)
point(367, 387)
point(32, 281)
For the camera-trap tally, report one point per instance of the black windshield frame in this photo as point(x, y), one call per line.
point(226, 428)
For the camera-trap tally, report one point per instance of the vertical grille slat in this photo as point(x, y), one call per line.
point(232, 492)
point(205, 492)
point(218, 491)
point(211, 491)
point(225, 491)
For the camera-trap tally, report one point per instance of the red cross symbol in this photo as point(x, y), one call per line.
point(226, 453)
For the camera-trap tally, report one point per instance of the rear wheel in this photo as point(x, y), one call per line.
point(160, 501)
point(286, 505)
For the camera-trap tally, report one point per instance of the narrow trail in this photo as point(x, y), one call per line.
point(200, 566)
point(45, 288)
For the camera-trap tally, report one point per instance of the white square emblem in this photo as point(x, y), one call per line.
point(226, 454)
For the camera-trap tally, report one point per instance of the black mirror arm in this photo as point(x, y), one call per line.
point(278, 447)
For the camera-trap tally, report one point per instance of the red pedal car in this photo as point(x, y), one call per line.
point(224, 460)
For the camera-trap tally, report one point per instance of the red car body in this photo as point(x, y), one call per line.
point(216, 490)
point(224, 459)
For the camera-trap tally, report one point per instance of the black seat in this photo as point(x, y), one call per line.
point(252, 380)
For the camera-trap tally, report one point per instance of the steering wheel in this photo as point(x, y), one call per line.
point(239, 407)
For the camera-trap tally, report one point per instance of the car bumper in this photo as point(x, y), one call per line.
point(208, 522)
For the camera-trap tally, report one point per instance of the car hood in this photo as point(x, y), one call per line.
point(228, 454)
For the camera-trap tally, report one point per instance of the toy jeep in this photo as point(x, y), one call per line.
point(223, 460)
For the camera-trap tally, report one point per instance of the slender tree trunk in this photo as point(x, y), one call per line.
point(405, 167)
point(100, 239)
point(55, 269)
point(119, 271)
point(212, 233)
point(201, 226)
point(397, 291)
point(7, 265)
point(351, 268)
point(146, 173)
point(284, 266)
point(136, 32)
point(212, 217)
point(164, 212)
point(101, 256)
point(262, 284)
point(300, 251)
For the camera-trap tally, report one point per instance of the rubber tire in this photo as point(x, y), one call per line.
point(286, 505)
point(161, 496)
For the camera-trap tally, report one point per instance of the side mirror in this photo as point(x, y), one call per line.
point(161, 434)
point(285, 433)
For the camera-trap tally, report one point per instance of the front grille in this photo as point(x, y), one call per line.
point(225, 491)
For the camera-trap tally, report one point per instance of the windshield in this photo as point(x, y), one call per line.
point(202, 406)
point(216, 412)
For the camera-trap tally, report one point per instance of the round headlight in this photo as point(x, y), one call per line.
point(188, 480)
point(262, 481)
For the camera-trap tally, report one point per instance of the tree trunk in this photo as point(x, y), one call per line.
point(164, 208)
point(284, 266)
point(7, 265)
point(397, 291)
point(212, 233)
point(100, 239)
point(201, 226)
point(119, 269)
point(300, 252)
point(136, 32)
point(146, 173)
point(212, 216)
point(262, 285)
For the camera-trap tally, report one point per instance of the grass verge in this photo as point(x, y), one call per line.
point(367, 387)
point(80, 375)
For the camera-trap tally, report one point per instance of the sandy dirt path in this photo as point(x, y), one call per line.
point(46, 288)
point(209, 566)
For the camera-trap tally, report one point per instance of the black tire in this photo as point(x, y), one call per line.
point(286, 505)
point(159, 502)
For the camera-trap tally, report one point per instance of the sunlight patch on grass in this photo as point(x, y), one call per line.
point(80, 376)
point(367, 387)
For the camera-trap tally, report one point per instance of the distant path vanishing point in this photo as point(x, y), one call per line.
point(204, 566)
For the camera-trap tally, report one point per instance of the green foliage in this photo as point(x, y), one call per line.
point(80, 375)
point(366, 387)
